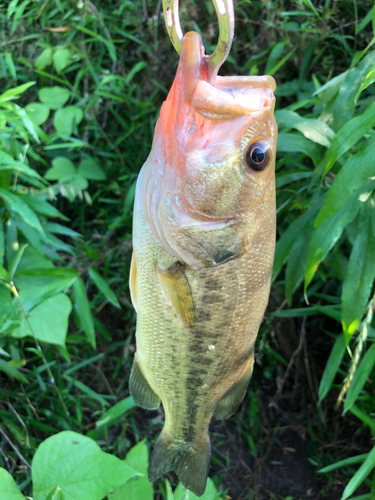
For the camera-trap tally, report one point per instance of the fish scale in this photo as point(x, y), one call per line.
point(203, 247)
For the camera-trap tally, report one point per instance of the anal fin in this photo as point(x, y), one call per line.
point(231, 400)
point(142, 393)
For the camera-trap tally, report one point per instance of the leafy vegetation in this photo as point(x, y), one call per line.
point(81, 87)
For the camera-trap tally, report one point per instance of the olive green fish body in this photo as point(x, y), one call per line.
point(203, 239)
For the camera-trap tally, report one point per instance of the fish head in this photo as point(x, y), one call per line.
point(217, 144)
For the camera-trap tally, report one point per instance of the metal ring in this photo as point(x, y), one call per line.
point(225, 14)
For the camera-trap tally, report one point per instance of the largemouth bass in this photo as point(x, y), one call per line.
point(203, 239)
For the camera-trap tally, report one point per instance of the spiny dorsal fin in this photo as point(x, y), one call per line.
point(231, 400)
point(176, 290)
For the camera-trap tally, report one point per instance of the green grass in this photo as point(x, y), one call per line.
point(116, 63)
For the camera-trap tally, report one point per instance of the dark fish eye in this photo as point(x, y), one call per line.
point(257, 156)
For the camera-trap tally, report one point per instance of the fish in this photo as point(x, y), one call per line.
point(203, 247)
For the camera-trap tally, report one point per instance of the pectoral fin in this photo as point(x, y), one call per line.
point(231, 400)
point(176, 290)
point(140, 389)
point(133, 281)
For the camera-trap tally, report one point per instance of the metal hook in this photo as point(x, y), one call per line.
point(225, 14)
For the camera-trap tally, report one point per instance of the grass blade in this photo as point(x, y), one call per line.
point(360, 475)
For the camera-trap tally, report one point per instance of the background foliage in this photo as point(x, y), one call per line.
point(81, 86)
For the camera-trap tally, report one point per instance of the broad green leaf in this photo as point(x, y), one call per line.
point(66, 119)
point(275, 56)
point(14, 264)
point(12, 6)
point(20, 167)
point(4, 353)
point(32, 259)
point(361, 474)
point(45, 58)
point(360, 274)
point(333, 311)
point(286, 241)
point(313, 129)
point(366, 419)
point(287, 178)
point(137, 458)
point(39, 284)
point(61, 59)
point(11, 239)
point(327, 234)
point(15, 92)
point(344, 463)
point(48, 321)
point(138, 487)
point(41, 206)
point(90, 169)
point(73, 143)
point(12, 371)
point(8, 487)
point(344, 106)
point(62, 168)
point(297, 143)
point(367, 19)
point(129, 200)
point(116, 411)
point(4, 275)
point(18, 14)
point(310, 5)
point(356, 170)
point(332, 366)
point(78, 466)
point(2, 244)
point(17, 205)
point(79, 182)
point(295, 268)
point(10, 64)
point(181, 493)
point(57, 495)
point(54, 97)
point(37, 112)
point(327, 91)
point(362, 373)
point(349, 135)
point(27, 123)
point(103, 286)
point(82, 308)
point(370, 79)
point(169, 491)
point(53, 227)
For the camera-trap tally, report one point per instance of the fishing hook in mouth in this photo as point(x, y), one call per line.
point(225, 14)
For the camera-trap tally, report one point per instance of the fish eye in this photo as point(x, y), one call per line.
point(257, 156)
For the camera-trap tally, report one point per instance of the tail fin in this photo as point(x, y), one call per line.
point(188, 461)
